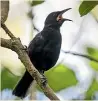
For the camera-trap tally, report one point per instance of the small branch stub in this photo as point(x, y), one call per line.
point(4, 10)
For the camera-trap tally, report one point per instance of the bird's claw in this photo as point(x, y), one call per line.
point(25, 48)
point(43, 81)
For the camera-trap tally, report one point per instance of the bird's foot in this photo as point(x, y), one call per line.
point(25, 48)
point(43, 80)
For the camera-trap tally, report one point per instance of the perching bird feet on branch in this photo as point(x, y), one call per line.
point(43, 80)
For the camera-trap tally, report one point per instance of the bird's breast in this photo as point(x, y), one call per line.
point(52, 35)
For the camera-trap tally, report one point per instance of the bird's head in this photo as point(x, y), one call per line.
point(55, 18)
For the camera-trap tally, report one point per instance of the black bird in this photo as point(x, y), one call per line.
point(43, 50)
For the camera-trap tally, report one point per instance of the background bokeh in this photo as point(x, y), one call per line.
point(73, 77)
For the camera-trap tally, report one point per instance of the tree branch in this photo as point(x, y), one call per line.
point(6, 43)
point(15, 45)
point(7, 30)
point(4, 10)
point(82, 55)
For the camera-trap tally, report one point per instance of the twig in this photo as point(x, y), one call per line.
point(82, 55)
point(7, 30)
point(15, 45)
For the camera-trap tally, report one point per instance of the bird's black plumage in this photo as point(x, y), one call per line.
point(43, 50)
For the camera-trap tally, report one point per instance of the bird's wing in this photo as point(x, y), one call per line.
point(43, 50)
point(36, 44)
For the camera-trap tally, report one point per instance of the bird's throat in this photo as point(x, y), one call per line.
point(52, 26)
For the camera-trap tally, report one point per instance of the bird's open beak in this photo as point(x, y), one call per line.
point(59, 18)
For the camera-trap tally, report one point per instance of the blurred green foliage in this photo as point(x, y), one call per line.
point(94, 53)
point(35, 2)
point(0, 79)
point(93, 88)
point(86, 7)
point(8, 80)
point(60, 77)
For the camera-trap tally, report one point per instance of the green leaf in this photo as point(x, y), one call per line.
point(94, 65)
point(8, 80)
point(36, 2)
point(86, 7)
point(91, 50)
point(60, 77)
point(94, 53)
point(93, 88)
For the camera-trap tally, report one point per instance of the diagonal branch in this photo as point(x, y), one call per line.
point(82, 55)
point(15, 45)
point(7, 31)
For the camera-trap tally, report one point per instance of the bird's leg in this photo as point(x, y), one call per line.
point(43, 78)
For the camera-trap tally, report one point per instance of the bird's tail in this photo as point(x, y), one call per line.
point(22, 87)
